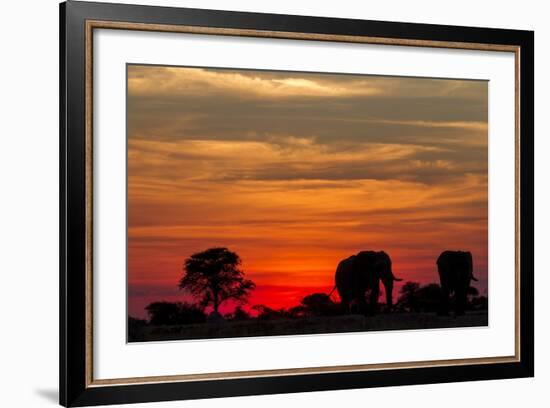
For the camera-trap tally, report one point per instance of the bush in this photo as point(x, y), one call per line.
point(267, 313)
point(416, 298)
point(173, 313)
point(239, 314)
point(319, 304)
point(135, 328)
point(479, 303)
point(135, 323)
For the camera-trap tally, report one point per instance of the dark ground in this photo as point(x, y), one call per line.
point(308, 325)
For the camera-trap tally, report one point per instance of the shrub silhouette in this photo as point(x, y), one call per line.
point(268, 313)
point(168, 313)
point(479, 303)
point(239, 314)
point(319, 304)
point(135, 323)
point(135, 327)
point(472, 292)
point(214, 276)
point(430, 297)
point(475, 301)
point(427, 298)
point(409, 299)
point(417, 298)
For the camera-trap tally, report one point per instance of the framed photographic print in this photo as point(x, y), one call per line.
point(256, 203)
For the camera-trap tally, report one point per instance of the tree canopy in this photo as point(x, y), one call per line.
point(214, 276)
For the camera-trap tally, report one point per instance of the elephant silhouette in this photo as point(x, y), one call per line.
point(455, 270)
point(359, 276)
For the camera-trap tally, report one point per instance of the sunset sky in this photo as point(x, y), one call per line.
point(296, 171)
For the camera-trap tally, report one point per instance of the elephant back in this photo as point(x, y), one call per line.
point(344, 272)
point(454, 264)
point(461, 258)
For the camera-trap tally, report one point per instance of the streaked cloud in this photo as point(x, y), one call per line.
point(144, 81)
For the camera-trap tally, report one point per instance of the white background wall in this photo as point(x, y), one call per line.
point(29, 201)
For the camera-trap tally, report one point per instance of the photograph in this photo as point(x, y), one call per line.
point(257, 202)
point(269, 203)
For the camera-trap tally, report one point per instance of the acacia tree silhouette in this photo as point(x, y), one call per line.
point(214, 276)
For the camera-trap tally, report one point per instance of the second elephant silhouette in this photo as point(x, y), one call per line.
point(455, 270)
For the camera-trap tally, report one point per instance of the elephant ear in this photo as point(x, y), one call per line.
point(380, 263)
point(361, 260)
point(382, 260)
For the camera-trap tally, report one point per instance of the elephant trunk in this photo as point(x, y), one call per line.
point(388, 288)
point(471, 266)
point(394, 278)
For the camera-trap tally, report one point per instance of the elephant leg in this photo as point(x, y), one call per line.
point(345, 300)
point(345, 305)
point(356, 306)
point(444, 303)
point(460, 301)
point(361, 305)
point(373, 300)
point(388, 287)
